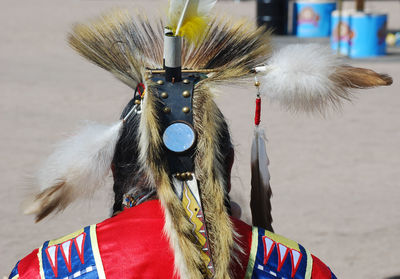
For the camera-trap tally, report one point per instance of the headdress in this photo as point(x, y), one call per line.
point(172, 140)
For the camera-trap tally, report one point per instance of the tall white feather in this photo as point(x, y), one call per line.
point(302, 77)
point(261, 192)
point(181, 9)
point(182, 17)
point(77, 167)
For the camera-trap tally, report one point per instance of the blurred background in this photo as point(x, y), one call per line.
point(335, 179)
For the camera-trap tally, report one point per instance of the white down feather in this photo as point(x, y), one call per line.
point(82, 161)
point(299, 77)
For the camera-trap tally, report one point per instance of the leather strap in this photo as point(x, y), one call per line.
point(174, 97)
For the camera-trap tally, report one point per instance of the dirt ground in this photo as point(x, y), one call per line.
point(335, 179)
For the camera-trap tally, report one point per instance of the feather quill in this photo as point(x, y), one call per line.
point(261, 193)
point(77, 167)
point(189, 18)
point(310, 78)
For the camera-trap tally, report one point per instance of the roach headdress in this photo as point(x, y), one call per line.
point(172, 140)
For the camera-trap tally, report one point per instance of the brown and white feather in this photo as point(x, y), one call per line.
point(309, 77)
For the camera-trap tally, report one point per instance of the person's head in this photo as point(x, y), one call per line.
point(128, 173)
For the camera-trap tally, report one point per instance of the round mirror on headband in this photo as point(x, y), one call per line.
point(179, 137)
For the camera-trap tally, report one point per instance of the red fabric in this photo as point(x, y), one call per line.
point(244, 241)
point(133, 244)
point(320, 270)
point(28, 267)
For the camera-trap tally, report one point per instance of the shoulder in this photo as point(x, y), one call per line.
point(73, 253)
point(91, 252)
point(269, 255)
point(274, 256)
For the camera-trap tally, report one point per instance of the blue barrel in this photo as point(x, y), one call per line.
point(361, 34)
point(312, 18)
point(341, 34)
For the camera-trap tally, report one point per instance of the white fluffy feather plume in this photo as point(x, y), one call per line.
point(310, 78)
point(77, 167)
point(299, 77)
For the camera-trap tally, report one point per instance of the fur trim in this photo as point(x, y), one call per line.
point(310, 78)
point(209, 169)
point(207, 123)
point(188, 261)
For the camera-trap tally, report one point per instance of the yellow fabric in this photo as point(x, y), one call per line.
point(253, 253)
point(309, 265)
point(191, 207)
point(39, 255)
point(65, 238)
point(96, 252)
point(283, 240)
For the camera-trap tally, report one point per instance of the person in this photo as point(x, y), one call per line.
point(171, 156)
point(133, 242)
